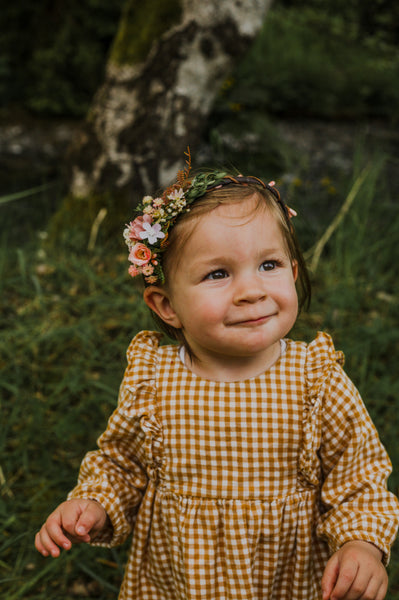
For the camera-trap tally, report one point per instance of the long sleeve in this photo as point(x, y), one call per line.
point(355, 468)
point(116, 475)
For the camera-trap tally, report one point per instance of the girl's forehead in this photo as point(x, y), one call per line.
point(229, 224)
point(226, 213)
point(245, 206)
point(239, 214)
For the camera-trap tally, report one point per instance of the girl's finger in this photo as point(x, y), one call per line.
point(39, 546)
point(346, 577)
point(45, 544)
point(92, 519)
point(55, 532)
point(87, 520)
point(377, 588)
point(373, 589)
point(329, 577)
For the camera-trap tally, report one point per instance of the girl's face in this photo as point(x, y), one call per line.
point(233, 293)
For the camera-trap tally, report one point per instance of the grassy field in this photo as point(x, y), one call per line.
point(66, 318)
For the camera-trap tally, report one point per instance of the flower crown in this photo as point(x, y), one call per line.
point(147, 235)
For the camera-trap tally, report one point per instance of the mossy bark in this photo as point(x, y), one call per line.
point(166, 66)
point(141, 24)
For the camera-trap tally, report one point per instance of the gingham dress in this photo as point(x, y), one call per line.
point(237, 490)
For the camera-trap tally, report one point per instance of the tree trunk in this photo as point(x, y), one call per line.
point(164, 71)
point(167, 63)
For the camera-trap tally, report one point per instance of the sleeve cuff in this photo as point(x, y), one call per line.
point(335, 543)
point(117, 530)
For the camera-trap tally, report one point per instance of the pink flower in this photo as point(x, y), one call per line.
point(136, 227)
point(140, 255)
point(133, 271)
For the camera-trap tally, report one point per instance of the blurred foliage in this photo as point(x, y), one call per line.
point(321, 58)
point(355, 18)
point(314, 63)
point(53, 53)
point(231, 134)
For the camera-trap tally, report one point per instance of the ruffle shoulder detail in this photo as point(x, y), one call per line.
point(144, 346)
point(138, 397)
point(321, 359)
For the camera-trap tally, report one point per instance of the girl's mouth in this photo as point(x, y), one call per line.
point(254, 322)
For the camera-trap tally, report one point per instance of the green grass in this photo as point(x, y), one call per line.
point(66, 318)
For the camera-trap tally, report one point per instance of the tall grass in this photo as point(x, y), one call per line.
point(66, 319)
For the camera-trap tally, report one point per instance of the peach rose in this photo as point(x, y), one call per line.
point(140, 255)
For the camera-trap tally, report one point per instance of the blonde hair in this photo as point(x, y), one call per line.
point(232, 194)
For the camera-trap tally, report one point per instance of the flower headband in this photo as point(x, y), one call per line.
point(147, 235)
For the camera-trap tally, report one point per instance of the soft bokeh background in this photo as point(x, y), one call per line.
point(314, 104)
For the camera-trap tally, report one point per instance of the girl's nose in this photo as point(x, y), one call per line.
point(249, 289)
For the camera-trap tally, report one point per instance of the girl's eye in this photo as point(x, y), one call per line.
point(218, 274)
point(268, 265)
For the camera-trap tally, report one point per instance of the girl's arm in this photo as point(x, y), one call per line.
point(355, 465)
point(112, 480)
point(115, 474)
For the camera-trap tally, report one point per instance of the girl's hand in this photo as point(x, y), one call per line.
point(354, 572)
point(74, 521)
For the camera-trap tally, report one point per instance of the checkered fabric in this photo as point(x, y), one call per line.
point(238, 490)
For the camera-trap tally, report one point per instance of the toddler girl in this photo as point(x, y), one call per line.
point(245, 462)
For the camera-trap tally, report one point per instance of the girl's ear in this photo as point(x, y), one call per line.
point(157, 299)
point(295, 269)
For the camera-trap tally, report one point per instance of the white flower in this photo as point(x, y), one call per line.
point(157, 214)
point(152, 233)
point(126, 235)
point(176, 194)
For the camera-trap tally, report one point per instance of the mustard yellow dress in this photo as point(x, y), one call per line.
point(238, 490)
